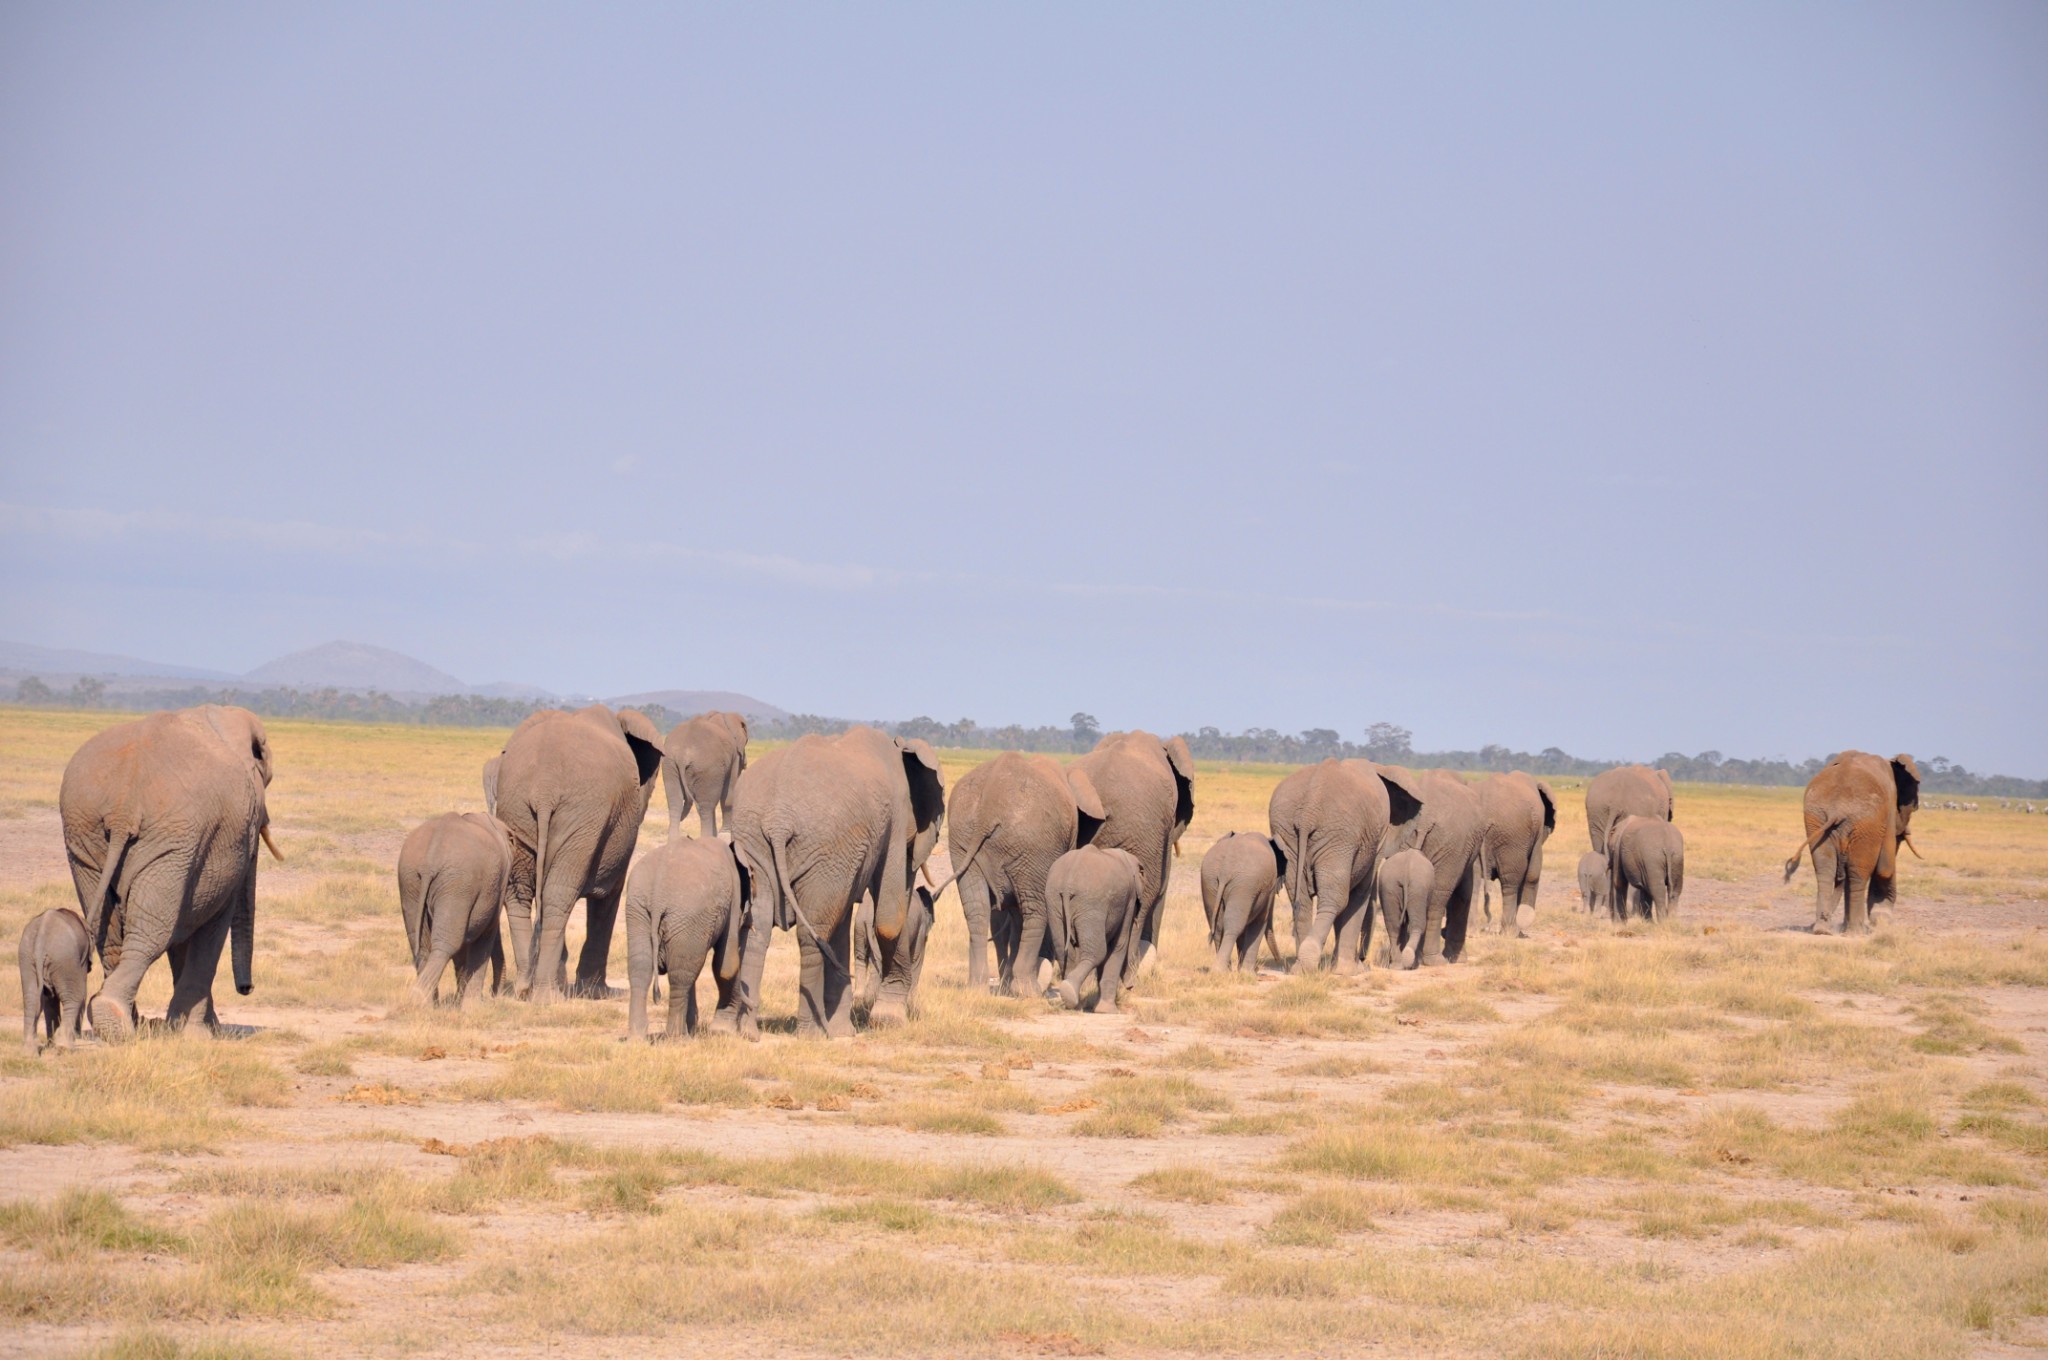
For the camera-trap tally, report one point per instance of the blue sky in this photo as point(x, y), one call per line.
point(1623, 378)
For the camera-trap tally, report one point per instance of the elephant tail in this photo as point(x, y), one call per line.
point(1216, 924)
point(540, 858)
point(118, 843)
point(960, 871)
point(785, 893)
point(1819, 837)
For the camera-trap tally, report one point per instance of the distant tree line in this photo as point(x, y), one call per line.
point(1385, 742)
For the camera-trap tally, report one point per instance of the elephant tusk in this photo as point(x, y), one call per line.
point(1908, 840)
point(271, 844)
point(929, 881)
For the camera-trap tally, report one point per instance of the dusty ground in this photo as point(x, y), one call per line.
point(1721, 1136)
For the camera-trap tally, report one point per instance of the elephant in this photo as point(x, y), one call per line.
point(1147, 787)
point(1645, 867)
point(1517, 813)
point(162, 817)
point(1858, 810)
point(819, 824)
point(1006, 822)
point(1448, 831)
point(1240, 875)
point(1625, 790)
point(1406, 881)
point(572, 792)
point(56, 957)
point(1333, 822)
point(491, 768)
point(1593, 880)
point(702, 760)
point(687, 899)
point(1094, 895)
point(452, 876)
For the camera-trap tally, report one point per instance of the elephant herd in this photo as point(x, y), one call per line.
point(828, 838)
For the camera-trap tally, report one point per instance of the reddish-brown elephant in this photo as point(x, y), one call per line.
point(1858, 809)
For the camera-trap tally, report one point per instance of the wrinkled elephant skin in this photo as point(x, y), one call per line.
point(162, 819)
point(572, 790)
point(1858, 812)
point(702, 761)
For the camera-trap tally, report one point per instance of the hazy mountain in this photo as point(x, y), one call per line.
point(692, 701)
point(356, 665)
point(352, 666)
point(48, 661)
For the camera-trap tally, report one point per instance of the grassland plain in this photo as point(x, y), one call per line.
point(1721, 1136)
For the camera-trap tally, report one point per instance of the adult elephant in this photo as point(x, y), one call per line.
point(1447, 831)
point(1625, 791)
point(572, 791)
point(1147, 788)
point(1517, 813)
point(1333, 822)
point(820, 824)
point(1006, 822)
point(703, 758)
point(162, 817)
point(1858, 811)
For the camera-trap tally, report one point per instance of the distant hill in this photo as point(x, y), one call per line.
point(689, 702)
point(341, 665)
point(356, 665)
point(29, 658)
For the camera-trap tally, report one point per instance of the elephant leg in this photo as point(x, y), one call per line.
point(444, 945)
point(1006, 932)
point(867, 962)
point(682, 991)
point(837, 992)
point(193, 967)
point(1354, 931)
point(520, 925)
point(31, 996)
point(1856, 895)
point(471, 964)
point(753, 961)
point(1458, 916)
point(600, 917)
point(146, 937)
point(977, 908)
point(1116, 969)
point(1031, 947)
point(1827, 891)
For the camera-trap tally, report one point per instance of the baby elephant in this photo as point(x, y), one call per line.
point(1593, 880)
point(1240, 874)
point(55, 957)
point(452, 872)
point(1645, 867)
point(1091, 897)
point(686, 899)
point(1406, 880)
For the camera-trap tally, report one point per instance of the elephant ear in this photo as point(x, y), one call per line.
point(1906, 781)
point(1664, 778)
point(1279, 856)
point(1549, 805)
point(1087, 803)
point(1404, 794)
point(491, 782)
point(927, 785)
point(735, 723)
point(645, 740)
point(1183, 762)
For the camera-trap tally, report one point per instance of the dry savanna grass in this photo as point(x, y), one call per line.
point(1721, 1135)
